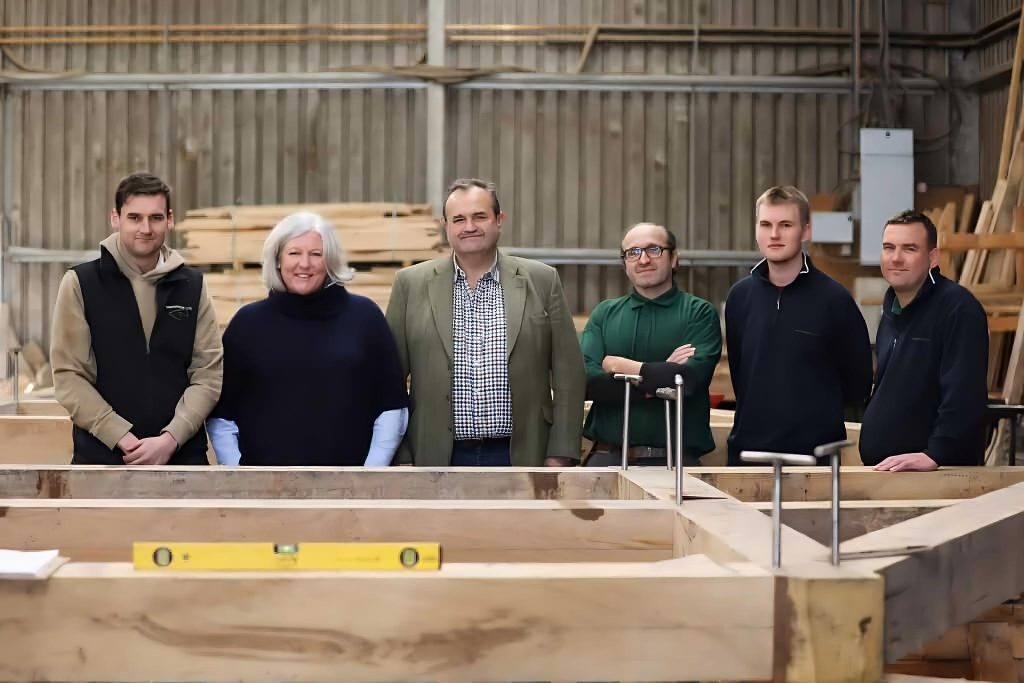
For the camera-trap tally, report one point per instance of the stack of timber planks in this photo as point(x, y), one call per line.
point(388, 235)
point(993, 267)
point(990, 266)
point(370, 232)
point(230, 290)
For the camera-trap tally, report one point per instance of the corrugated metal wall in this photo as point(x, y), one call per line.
point(580, 167)
point(574, 168)
point(213, 57)
point(215, 148)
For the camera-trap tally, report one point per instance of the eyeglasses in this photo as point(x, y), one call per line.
point(654, 251)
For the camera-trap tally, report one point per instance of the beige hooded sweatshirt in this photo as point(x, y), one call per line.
point(74, 364)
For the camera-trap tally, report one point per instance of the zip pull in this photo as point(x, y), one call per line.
point(778, 301)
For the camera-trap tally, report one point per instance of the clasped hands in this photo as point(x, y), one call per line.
point(153, 450)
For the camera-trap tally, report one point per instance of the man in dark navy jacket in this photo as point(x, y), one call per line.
point(928, 405)
point(798, 345)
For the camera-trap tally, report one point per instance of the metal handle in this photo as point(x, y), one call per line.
point(777, 460)
point(628, 381)
point(15, 377)
point(668, 395)
point(668, 435)
point(680, 448)
point(833, 450)
point(766, 458)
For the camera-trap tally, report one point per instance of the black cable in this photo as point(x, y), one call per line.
point(884, 68)
point(921, 144)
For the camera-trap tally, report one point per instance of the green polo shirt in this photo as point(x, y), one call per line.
point(649, 330)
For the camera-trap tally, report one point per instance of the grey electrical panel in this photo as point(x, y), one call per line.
point(886, 184)
point(831, 227)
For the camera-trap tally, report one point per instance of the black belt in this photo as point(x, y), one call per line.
point(634, 452)
point(500, 439)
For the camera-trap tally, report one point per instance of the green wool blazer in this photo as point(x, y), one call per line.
point(545, 365)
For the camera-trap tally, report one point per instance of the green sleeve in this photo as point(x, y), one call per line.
point(705, 335)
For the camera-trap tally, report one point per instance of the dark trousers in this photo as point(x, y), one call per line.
point(481, 453)
point(116, 457)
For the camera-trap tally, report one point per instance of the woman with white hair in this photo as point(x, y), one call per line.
point(311, 373)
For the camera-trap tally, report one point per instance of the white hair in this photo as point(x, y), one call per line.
point(296, 225)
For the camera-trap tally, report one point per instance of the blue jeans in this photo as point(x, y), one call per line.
point(481, 453)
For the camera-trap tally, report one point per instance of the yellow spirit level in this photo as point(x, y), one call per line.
point(282, 557)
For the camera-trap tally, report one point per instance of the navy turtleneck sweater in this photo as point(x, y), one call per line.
point(305, 376)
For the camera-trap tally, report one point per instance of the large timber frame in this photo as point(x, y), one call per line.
point(571, 574)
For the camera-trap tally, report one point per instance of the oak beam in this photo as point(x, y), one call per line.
point(403, 483)
point(858, 517)
point(674, 620)
point(828, 624)
point(91, 530)
point(945, 568)
point(754, 484)
point(35, 440)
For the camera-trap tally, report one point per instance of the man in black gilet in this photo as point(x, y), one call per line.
point(136, 351)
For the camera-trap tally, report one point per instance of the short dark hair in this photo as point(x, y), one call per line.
point(670, 239)
point(909, 217)
point(786, 194)
point(469, 183)
point(141, 183)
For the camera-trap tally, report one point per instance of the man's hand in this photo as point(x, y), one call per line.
point(128, 443)
point(908, 462)
point(682, 354)
point(559, 462)
point(617, 365)
point(154, 450)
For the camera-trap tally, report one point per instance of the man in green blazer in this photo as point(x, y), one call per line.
point(496, 372)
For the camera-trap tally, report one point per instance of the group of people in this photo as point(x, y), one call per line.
point(477, 361)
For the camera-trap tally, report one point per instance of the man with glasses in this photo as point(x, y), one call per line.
point(657, 331)
point(798, 345)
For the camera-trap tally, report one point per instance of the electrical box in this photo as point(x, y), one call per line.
point(831, 227)
point(886, 184)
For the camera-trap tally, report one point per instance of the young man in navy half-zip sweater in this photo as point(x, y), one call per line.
point(798, 347)
point(928, 405)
